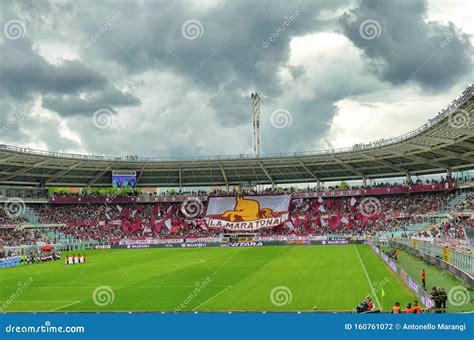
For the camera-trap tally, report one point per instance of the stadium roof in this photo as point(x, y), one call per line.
point(444, 143)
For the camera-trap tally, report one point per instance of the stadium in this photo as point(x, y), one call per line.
point(236, 169)
point(93, 233)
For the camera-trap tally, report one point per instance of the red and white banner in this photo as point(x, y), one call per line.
point(247, 212)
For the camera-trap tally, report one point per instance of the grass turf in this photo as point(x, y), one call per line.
point(266, 278)
point(436, 277)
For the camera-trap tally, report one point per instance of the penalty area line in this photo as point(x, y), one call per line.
point(212, 297)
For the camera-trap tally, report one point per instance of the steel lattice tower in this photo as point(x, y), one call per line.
point(256, 122)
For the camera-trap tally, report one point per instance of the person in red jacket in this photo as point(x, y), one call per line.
point(423, 278)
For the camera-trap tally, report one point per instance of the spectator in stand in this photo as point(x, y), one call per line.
point(104, 222)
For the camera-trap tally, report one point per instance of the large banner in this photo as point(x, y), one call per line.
point(247, 213)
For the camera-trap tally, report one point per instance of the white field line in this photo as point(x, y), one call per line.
point(212, 297)
point(43, 300)
point(69, 304)
point(368, 278)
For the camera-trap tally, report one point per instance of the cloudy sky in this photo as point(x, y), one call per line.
point(173, 78)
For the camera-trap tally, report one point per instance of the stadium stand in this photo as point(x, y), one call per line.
point(316, 216)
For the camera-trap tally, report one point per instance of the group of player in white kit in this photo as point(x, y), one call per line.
point(75, 259)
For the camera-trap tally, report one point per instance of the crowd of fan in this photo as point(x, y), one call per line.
point(233, 191)
point(452, 227)
point(102, 222)
point(9, 217)
point(466, 204)
point(19, 237)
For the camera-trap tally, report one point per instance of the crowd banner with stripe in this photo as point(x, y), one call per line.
point(247, 213)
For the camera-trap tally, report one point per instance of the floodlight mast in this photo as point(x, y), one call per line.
point(256, 123)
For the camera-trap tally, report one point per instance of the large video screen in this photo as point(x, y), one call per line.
point(124, 179)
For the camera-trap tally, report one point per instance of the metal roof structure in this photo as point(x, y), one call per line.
point(444, 143)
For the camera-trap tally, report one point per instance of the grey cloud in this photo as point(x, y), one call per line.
point(233, 57)
point(24, 72)
point(87, 104)
point(402, 46)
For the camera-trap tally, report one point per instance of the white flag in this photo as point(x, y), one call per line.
point(345, 220)
point(353, 201)
point(321, 208)
point(323, 222)
point(119, 208)
point(297, 202)
point(168, 223)
point(320, 200)
point(290, 225)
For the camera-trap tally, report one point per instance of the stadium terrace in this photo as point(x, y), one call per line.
point(241, 215)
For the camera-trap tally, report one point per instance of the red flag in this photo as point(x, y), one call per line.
point(334, 221)
point(296, 220)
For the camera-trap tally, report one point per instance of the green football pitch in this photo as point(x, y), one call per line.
point(208, 279)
